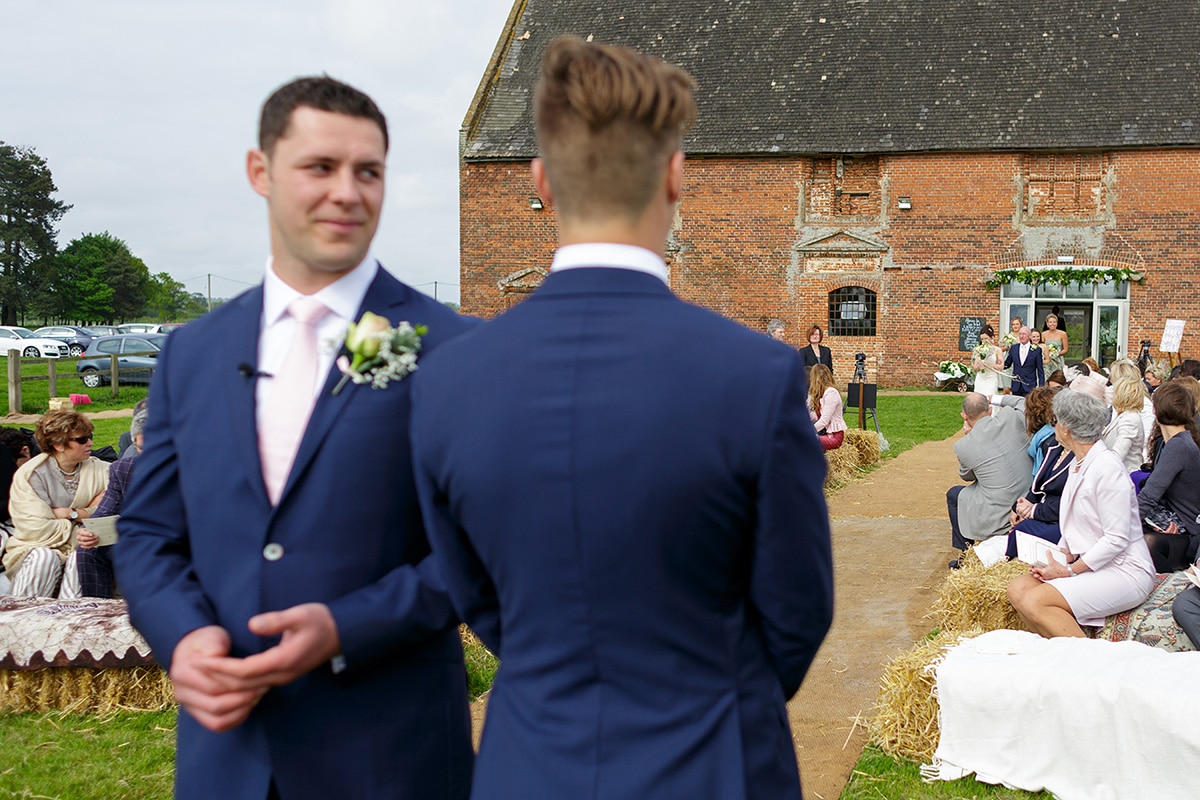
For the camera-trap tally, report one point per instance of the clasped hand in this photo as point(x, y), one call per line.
point(220, 691)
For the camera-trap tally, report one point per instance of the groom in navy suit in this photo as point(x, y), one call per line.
point(1025, 359)
point(272, 550)
point(624, 491)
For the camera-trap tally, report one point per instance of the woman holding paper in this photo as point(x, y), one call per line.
point(1170, 499)
point(1103, 566)
point(51, 495)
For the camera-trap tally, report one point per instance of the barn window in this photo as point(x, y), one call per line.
point(852, 311)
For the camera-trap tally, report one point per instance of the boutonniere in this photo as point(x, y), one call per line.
point(377, 353)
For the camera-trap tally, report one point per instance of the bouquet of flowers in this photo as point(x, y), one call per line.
point(952, 369)
point(1009, 338)
point(982, 350)
point(1054, 346)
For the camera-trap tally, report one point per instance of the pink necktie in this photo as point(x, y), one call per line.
point(291, 398)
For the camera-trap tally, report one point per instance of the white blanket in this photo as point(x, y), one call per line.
point(1081, 718)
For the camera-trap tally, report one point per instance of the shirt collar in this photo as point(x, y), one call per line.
point(608, 255)
point(343, 297)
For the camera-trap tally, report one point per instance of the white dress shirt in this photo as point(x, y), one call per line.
point(343, 298)
point(604, 254)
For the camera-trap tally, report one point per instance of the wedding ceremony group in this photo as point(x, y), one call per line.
point(611, 471)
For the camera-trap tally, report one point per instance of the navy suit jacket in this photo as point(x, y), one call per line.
point(1027, 376)
point(196, 521)
point(628, 510)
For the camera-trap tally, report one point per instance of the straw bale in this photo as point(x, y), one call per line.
point(975, 597)
point(83, 690)
point(859, 449)
point(906, 715)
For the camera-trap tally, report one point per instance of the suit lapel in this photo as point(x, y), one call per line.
point(384, 296)
point(240, 388)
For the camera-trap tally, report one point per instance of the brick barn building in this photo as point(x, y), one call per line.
point(887, 169)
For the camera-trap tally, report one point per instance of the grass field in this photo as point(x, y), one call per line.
point(130, 755)
point(35, 389)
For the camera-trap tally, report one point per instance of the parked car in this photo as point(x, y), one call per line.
point(138, 327)
point(167, 327)
point(76, 339)
point(103, 330)
point(136, 353)
point(16, 338)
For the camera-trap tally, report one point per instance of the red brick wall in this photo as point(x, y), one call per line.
point(741, 221)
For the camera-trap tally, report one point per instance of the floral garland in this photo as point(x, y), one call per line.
point(1063, 276)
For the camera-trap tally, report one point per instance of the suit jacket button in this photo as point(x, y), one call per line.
point(273, 551)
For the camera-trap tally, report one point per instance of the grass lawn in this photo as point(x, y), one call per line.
point(908, 420)
point(878, 777)
point(35, 394)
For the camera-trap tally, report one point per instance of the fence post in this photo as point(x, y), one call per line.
point(52, 376)
point(14, 381)
point(112, 375)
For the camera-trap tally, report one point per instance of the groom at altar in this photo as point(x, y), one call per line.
point(622, 490)
point(271, 547)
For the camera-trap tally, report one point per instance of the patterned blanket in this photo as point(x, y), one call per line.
point(1151, 623)
point(36, 633)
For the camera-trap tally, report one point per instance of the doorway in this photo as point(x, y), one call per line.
point(1095, 316)
point(1076, 320)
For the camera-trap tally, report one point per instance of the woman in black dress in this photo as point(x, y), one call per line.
point(814, 352)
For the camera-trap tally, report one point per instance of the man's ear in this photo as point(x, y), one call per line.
point(257, 167)
point(541, 182)
point(675, 177)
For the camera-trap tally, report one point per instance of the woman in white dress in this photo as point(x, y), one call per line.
point(1108, 567)
point(987, 369)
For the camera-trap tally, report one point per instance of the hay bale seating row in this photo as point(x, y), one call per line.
point(973, 600)
point(859, 449)
point(80, 656)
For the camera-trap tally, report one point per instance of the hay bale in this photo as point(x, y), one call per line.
point(858, 450)
point(905, 724)
point(84, 690)
point(975, 597)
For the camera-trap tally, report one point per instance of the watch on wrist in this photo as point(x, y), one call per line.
point(74, 515)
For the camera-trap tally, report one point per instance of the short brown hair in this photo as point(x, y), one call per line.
point(58, 428)
point(608, 120)
point(816, 328)
point(320, 92)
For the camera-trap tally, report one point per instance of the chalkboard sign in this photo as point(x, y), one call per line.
point(969, 329)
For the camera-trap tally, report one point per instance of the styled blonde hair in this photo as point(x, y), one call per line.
point(1128, 394)
point(608, 120)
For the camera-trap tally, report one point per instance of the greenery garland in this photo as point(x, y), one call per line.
point(1063, 276)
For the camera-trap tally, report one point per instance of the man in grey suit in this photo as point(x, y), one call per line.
point(992, 455)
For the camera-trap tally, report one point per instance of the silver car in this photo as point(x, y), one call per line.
point(30, 346)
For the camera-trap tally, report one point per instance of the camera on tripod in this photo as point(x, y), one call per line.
point(860, 368)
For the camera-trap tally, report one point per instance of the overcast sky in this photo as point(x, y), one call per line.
point(144, 112)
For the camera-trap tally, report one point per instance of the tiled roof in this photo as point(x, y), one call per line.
point(880, 76)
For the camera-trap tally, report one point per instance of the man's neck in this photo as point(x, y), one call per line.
point(638, 233)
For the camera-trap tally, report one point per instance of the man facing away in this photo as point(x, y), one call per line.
point(628, 505)
point(281, 577)
point(993, 457)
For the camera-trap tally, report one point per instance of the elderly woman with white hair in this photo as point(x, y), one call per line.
point(1107, 566)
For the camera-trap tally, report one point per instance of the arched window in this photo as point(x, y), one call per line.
point(852, 311)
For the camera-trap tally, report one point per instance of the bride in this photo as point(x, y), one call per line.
point(987, 365)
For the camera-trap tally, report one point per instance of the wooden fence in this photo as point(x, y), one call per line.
point(16, 378)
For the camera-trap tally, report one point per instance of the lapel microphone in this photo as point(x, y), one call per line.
point(247, 371)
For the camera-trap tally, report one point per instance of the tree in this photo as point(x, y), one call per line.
point(97, 279)
point(28, 218)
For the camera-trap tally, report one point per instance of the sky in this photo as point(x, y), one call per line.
point(144, 112)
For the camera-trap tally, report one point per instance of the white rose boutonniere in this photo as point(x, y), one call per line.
point(377, 353)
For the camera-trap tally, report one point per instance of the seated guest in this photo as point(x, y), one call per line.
point(1108, 568)
point(1039, 411)
point(1037, 512)
point(1124, 434)
point(14, 451)
point(1155, 374)
point(1056, 378)
point(125, 448)
point(1124, 368)
point(1088, 381)
point(825, 408)
point(51, 495)
point(95, 562)
point(1170, 499)
point(992, 456)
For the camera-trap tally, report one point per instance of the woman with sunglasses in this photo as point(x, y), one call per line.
point(52, 494)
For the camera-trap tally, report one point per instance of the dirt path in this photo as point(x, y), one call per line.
point(891, 542)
